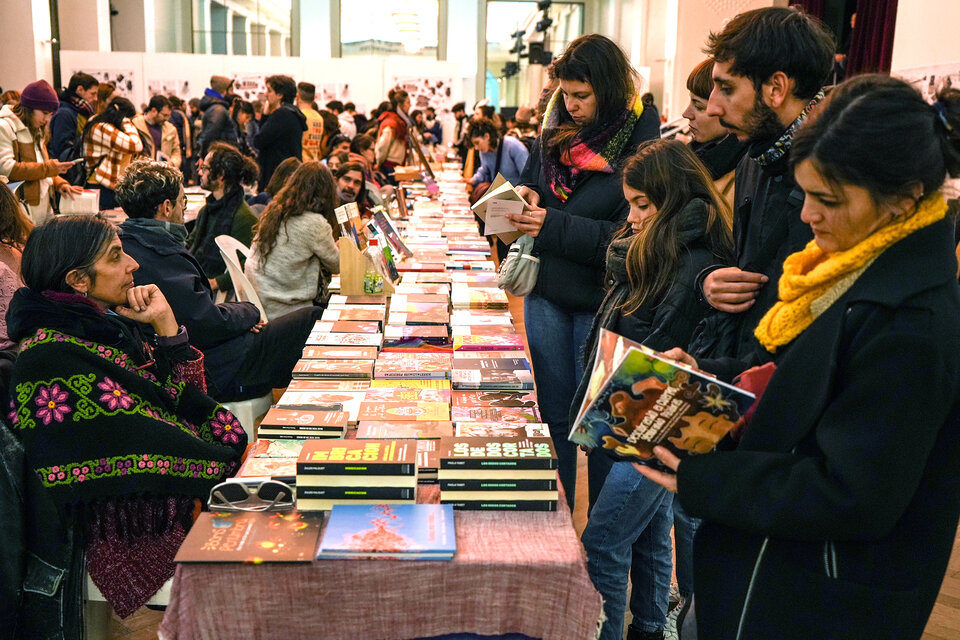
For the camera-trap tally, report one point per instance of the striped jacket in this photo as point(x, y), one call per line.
point(116, 147)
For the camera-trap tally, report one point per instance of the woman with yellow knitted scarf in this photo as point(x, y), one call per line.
point(834, 514)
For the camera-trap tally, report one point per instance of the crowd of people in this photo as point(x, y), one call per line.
point(786, 244)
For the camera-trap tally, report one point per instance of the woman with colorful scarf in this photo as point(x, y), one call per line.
point(119, 437)
point(593, 123)
point(835, 513)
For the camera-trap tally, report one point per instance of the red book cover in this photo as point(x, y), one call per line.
point(362, 369)
point(357, 299)
point(404, 429)
point(419, 266)
point(347, 326)
point(251, 537)
point(485, 329)
point(368, 313)
point(316, 352)
point(281, 418)
point(510, 341)
point(328, 385)
point(432, 316)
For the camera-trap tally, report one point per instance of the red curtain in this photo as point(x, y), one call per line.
point(871, 46)
point(814, 8)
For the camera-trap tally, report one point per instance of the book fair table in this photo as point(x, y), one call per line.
point(515, 575)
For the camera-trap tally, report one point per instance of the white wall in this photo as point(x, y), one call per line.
point(926, 33)
point(25, 45)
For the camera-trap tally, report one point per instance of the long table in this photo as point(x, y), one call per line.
point(514, 573)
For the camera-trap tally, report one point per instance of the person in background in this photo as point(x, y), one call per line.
point(351, 187)
point(111, 141)
point(339, 142)
point(216, 124)
point(23, 156)
point(350, 123)
point(717, 148)
point(362, 150)
point(505, 155)
point(14, 229)
point(837, 504)
point(10, 97)
point(432, 129)
point(120, 440)
point(184, 127)
point(294, 252)
point(313, 136)
point(78, 104)
point(331, 129)
point(277, 180)
point(335, 159)
point(281, 129)
point(159, 132)
point(242, 113)
point(593, 123)
point(395, 126)
point(676, 227)
point(460, 141)
point(222, 171)
point(106, 91)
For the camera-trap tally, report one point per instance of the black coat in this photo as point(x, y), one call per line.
point(836, 514)
point(216, 124)
point(572, 244)
point(221, 331)
point(280, 137)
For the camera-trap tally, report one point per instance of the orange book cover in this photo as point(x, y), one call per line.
point(347, 326)
point(333, 369)
point(251, 537)
point(358, 457)
point(370, 313)
point(431, 411)
point(404, 429)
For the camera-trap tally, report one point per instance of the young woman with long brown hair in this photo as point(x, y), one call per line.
point(677, 226)
point(294, 253)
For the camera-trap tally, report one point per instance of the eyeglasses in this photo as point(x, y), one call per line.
point(270, 495)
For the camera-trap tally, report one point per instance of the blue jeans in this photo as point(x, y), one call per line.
point(684, 528)
point(556, 337)
point(629, 525)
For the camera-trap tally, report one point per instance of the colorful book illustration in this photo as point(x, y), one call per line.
point(358, 458)
point(501, 430)
point(493, 373)
point(251, 537)
point(399, 532)
point(501, 454)
point(426, 411)
point(345, 339)
point(256, 470)
point(404, 429)
point(407, 394)
point(347, 401)
point(511, 341)
point(641, 400)
point(339, 353)
point(347, 326)
point(339, 369)
point(303, 384)
point(490, 413)
point(411, 383)
point(366, 313)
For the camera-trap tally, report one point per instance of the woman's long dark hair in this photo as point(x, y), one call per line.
point(118, 109)
point(59, 246)
point(670, 175)
point(598, 61)
point(15, 226)
point(310, 188)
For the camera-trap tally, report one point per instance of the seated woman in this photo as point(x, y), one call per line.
point(119, 438)
point(279, 178)
point(835, 513)
point(294, 252)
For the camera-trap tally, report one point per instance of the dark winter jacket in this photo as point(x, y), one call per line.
point(216, 123)
point(219, 330)
point(231, 216)
point(66, 125)
point(835, 515)
point(572, 244)
point(280, 137)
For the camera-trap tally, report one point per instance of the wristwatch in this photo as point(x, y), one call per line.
point(171, 342)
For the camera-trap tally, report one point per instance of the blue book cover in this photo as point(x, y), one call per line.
point(394, 531)
point(643, 400)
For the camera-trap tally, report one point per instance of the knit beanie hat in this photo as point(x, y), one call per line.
point(40, 95)
point(220, 84)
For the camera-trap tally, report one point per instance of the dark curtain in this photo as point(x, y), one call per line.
point(871, 46)
point(815, 8)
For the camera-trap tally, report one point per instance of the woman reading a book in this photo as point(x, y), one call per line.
point(118, 435)
point(594, 121)
point(835, 512)
point(675, 228)
point(294, 253)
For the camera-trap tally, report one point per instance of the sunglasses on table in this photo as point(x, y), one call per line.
point(270, 495)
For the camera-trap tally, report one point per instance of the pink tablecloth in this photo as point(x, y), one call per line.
point(513, 573)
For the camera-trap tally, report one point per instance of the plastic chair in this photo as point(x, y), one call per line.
point(231, 249)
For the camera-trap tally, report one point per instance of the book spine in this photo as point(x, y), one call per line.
point(356, 469)
point(499, 463)
point(357, 493)
point(498, 485)
point(501, 505)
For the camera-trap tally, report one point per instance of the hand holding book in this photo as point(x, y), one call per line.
point(529, 221)
point(663, 478)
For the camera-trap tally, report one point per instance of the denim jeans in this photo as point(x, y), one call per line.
point(556, 337)
point(684, 528)
point(630, 526)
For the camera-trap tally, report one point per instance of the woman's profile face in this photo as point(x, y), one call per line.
point(243, 117)
point(114, 276)
point(580, 101)
point(641, 209)
point(40, 118)
point(840, 216)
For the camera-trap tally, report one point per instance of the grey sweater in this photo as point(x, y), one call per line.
point(298, 268)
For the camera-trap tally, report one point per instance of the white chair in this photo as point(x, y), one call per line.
point(230, 250)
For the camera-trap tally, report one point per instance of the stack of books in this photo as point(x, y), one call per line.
point(333, 472)
point(514, 407)
point(466, 297)
point(289, 423)
point(402, 365)
point(517, 474)
point(270, 460)
point(492, 373)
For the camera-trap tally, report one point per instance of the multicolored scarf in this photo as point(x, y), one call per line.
point(783, 143)
point(812, 279)
point(600, 152)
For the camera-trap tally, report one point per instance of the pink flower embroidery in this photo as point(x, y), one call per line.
point(226, 427)
point(50, 400)
point(114, 396)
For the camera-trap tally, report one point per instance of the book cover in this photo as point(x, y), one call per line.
point(264, 448)
point(402, 301)
point(501, 505)
point(358, 458)
point(367, 313)
point(385, 494)
point(430, 334)
point(427, 411)
point(347, 401)
point(410, 383)
point(492, 378)
point(251, 537)
point(303, 384)
point(339, 353)
point(520, 399)
point(501, 430)
point(647, 400)
point(498, 485)
point(434, 316)
point(375, 300)
point(337, 369)
point(347, 326)
point(413, 265)
point(457, 329)
point(345, 339)
point(413, 365)
point(497, 453)
point(436, 289)
point(294, 419)
point(428, 461)
point(415, 531)
point(298, 434)
point(404, 429)
point(259, 469)
point(511, 341)
point(505, 198)
point(407, 394)
point(487, 413)
point(481, 355)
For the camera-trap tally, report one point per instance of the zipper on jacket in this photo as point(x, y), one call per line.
point(753, 578)
point(830, 559)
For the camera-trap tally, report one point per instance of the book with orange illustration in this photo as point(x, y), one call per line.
point(407, 394)
point(339, 369)
point(303, 384)
point(317, 352)
point(347, 326)
point(394, 531)
point(507, 341)
point(404, 429)
point(427, 411)
point(366, 313)
point(345, 339)
point(251, 537)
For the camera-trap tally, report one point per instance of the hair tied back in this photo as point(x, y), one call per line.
point(941, 110)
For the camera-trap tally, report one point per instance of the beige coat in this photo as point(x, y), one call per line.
point(169, 140)
point(23, 158)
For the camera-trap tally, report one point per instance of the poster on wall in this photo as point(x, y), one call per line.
point(930, 80)
point(124, 79)
point(179, 88)
point(333, 91)
point(252, 87)
point(436, 92)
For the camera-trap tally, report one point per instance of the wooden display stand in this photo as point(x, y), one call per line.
point(353, 265)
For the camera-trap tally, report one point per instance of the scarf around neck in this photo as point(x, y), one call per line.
point(813, 279)
point(600, 152)
point(782, 144)
point(177, 231)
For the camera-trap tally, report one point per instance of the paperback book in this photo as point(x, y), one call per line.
point(367, 313)
point(398, 532)
point(426, 411)
point(339, 353)
point(509, 342)
point(404, 429)
point(251, 537)
point(337, 369)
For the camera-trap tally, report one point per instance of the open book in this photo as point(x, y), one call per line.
point(636, 400)
point(500, 199)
